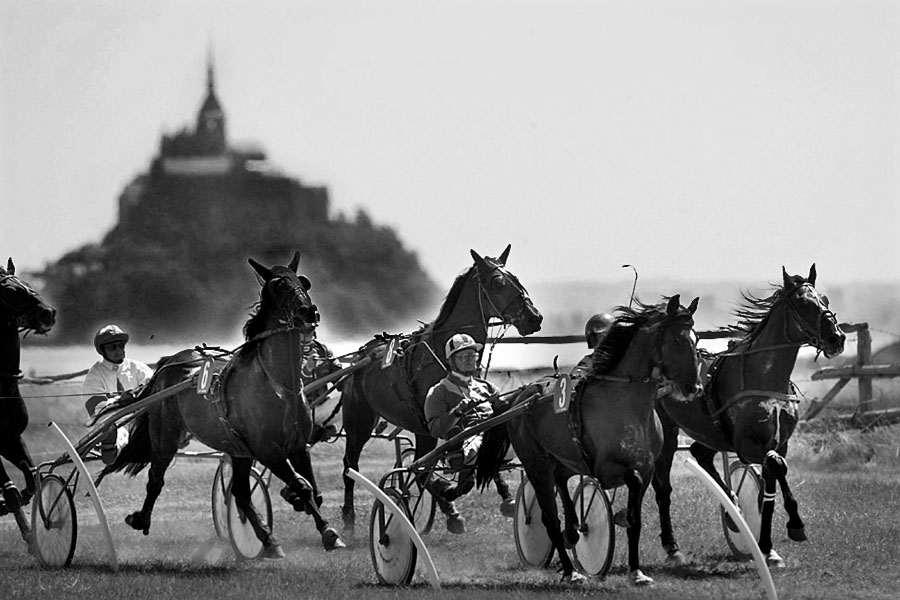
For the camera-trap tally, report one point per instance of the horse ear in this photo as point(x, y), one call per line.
point(674, 305)
point(479, 262)
point(504, 255)
point(264, 272)
point(786, 277)
point(693, 307)
point(10, 267)
point(295, 262)
point(305, 282)
point(812, 275)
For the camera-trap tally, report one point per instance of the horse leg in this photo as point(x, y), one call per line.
point(242, 494)
point(303, 496)
point(636, 489)
point(796, 528)
point(662, 486)
point(359, 421)
point(570, 517)
point(164, 429)
point(140, 520)
point(507, 501)
point(302, 463)
point(542, 478)
point(771, 468)
point(11, 502)
point(16, 452)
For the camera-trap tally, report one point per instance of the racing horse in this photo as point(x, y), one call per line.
point(256, 411)
point(747, 405)
point(21, 309)
point(610, 430)
point(485, 291)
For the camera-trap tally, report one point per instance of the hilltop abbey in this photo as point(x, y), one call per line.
point(174, 266)
point(197, 180)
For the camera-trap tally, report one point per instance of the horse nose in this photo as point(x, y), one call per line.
point(47, 316)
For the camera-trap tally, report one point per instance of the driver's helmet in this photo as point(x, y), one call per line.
point(109, 333)
point(460, 341)
point(596, 326)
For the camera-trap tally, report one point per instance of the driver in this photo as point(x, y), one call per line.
point(458, 401)
point(595, 331)
point(108, 379)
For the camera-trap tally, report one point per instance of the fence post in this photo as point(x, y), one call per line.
point(864, 357)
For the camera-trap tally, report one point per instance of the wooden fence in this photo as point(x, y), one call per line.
point(862, 370)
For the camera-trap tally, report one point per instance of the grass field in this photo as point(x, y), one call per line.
point(848, 486)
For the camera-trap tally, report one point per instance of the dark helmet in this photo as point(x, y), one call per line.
point(596, 326)
point(109, 333)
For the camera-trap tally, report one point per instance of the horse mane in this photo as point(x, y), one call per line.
point(753, 311)
point(628, 321)
point(256, 324)
point(453, 296)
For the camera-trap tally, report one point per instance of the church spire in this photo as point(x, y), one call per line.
point(211, 119)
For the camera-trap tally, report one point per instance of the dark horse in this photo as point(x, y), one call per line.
point(487, 290)
point(21, 309)
point(748, 406)
point(611, 430)
point(257, 410)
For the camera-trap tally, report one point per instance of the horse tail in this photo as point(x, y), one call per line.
point(494, 446)
point(136, 454)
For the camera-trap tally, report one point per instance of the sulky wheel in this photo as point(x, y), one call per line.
point(53, 523)
point(221, 481)
point(421, 503)
point(745, 483)
point(532, 542)
point(597, 538)
point(240, 532)
point(393, 552)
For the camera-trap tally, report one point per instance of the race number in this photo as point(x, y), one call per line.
point(388, 358)
point(562, 394)
point(204, 377)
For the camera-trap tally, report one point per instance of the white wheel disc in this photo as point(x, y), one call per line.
point(393, 552)
point(596, 541)
point(54, 527)
point(240, 532)
point(745, 483)
point(221, 481)
point(532, 542)
point(421, 503)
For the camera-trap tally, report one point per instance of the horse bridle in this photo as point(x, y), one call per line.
point(18, 311)
point(813, 332)
point(287, 310)
point(506, 317)
point(665, 385)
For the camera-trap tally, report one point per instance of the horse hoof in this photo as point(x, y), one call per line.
point(638, 579)
point(676, 558)
point(774, 560)
point(570, 538)
point(331, 540)
point(797, 534)
point(574, 578)
point(456, 524)
point(272, 552)
point(621, 519)
point(508, 507)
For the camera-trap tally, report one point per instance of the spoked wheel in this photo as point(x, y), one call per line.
point(532, 542)
point(421, 503)
point(597, 537)
point(745, 482)
point(53, 524)
point(393, 552)
point(221, 481)
point(240, 532)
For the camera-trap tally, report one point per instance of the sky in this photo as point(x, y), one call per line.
point(696, 140)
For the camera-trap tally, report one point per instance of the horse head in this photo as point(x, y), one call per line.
point(24, 307)
point(284, 298)
point(676, 350)
point(502, 296)
point(809, 319)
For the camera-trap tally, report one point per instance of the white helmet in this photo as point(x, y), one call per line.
point(460, 341)
point(109, 333)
